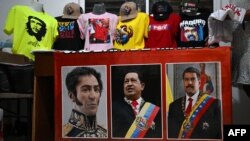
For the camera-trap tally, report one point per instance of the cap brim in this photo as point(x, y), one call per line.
point(160, 16)
point(69, 17)
point(128, 17)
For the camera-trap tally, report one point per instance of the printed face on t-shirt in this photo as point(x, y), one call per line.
point(99, 31)
point(192, 30)
point(36, 27)
point(191, 33)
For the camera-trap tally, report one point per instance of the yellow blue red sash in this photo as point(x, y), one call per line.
point(197, 112)
point(143, 121)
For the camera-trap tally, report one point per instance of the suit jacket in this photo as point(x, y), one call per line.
point(123, 116)
point(81, 125)
point(209, 126)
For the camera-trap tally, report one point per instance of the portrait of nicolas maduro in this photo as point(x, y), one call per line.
point(195, 112)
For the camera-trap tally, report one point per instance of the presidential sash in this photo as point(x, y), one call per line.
point(195, 115)
point(143, 121)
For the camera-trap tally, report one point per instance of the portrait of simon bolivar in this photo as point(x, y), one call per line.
point(84, 102)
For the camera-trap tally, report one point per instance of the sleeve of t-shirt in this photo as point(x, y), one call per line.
point(146, 26)
point(82, 25)
point(55, 30)
point(114, 24)
point(177, 24)
point(10, 21)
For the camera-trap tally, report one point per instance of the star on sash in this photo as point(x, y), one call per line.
point(205, 125)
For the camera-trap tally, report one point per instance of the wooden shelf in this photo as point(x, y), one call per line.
point(10, 95)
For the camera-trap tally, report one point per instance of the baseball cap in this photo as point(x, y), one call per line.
point(128, 11)
point(72, 11)
point(161, 10)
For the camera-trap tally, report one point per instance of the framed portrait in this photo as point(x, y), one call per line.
point(83, 102)
point(68, 103)
point(152, 91)
point(204, 80)
point(162, 84)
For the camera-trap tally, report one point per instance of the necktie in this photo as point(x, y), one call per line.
point(189, 107)
point(134, 104)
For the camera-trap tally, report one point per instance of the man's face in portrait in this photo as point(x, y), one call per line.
point(35, 25)
point(191, 33)
point(88, 94)
point(132, 86)
point(191, 83)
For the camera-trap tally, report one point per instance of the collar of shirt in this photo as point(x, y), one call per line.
point(139, 101)
point(194, 97)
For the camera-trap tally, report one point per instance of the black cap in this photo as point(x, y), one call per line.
point(189, 5)
point(161, 10)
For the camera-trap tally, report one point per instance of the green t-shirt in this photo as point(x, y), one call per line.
point(31, 30)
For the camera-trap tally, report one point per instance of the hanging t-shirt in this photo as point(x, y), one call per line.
point(98, 30)
point(130, 34)
point(163, 34)
point(69, 35)
point(241, 47)
point(193, 30)
point(32, 30)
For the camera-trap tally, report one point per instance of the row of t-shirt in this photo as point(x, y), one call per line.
point(38, 31)
point(106, 31)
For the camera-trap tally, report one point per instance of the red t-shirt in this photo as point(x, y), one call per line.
point(163, 34)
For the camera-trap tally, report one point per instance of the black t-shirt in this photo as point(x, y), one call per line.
point(69, 35)
point(193, 30)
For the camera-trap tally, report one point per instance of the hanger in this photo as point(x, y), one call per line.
point(36, 6)
point(99, 8)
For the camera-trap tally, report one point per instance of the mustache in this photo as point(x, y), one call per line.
point(129, 87)
point(190, 86)
point(189, 36)
point(80, 103)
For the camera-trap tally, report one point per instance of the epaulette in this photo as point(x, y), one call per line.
point(67, 128)
point(102, 132)
point(102, 128)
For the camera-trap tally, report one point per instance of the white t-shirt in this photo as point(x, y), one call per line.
point(241, 48)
